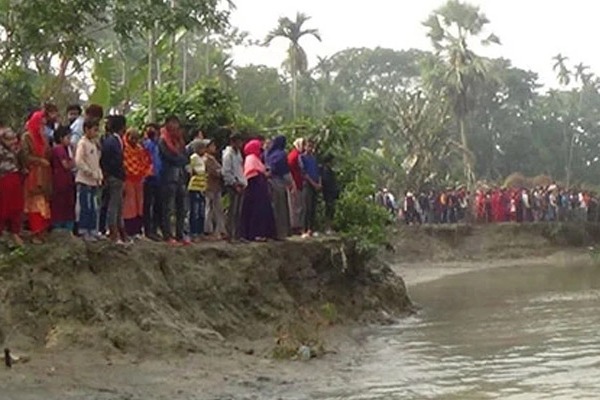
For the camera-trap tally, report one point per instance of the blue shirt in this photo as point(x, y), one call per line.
point(152, 148)
point(310, 167)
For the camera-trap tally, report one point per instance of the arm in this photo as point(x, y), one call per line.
point(177, 160)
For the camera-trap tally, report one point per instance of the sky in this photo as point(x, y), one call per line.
point(531, 31)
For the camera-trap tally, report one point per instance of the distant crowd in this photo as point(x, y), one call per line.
point(119, 183)
point(549, 203)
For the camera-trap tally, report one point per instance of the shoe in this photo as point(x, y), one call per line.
point(173, 242)
point(89, 238)
point(305, 235)
point(185, 242)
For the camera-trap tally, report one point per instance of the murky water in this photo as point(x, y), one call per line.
point(517, 333)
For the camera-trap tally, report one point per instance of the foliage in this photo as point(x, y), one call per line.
point(17, 96)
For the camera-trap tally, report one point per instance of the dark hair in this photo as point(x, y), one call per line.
point(172, 118)
point(152, 125)
point(234, 137)
point(94, 111)
point(50, 107)
point(90, 123)
point(74, 107)
point(115, 124)
point(61, 132)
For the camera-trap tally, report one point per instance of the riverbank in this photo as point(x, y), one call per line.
point(99, 321)
point(422, 254)
point(218, 321)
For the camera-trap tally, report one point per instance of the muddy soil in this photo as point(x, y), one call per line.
point(152, 322)
point(223, 322)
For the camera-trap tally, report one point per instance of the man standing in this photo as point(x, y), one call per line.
point(114, 174)
point(235, 183)
point(311, 187)
point(152, 202)
point(173, 158)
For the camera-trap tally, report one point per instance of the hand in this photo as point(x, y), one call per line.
point(44, 162)
point(239, 189)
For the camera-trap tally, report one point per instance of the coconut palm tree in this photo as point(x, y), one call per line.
point(297, 61)
point(451, 29)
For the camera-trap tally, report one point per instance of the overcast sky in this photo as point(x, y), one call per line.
point(532, 31)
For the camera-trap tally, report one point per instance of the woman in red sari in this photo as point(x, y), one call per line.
point(11, 188)
point(497, 213)
point(38, 183)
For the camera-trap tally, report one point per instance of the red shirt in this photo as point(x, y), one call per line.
point(294, 163)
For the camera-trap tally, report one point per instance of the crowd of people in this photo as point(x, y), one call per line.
point(122, 184)
point(549, 203)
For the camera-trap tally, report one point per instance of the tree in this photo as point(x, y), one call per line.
point(451, 29)
point(297, 61)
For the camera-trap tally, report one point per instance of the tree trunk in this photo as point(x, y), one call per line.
point(184, 57)
point(207, 54)
point(294, 85)
point(467, 161)
point(151, 62)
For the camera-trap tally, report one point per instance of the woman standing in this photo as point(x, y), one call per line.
point(63, 181)
point(281, 182)
point(11, 188)
point(138, 166)
point(215, 218)
point(38, 184)
point(258, 221)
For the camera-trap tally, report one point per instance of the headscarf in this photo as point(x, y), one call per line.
point(136, 160)
point(298, 144)
point(34, 127)
point(276, 158)
point(253, 147)
point(173, 140)
point(253, 166)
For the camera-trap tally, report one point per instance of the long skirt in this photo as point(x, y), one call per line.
point(11, 202)
point(296, 209)
point(281, 210)
point(63, 204)
point(257, 219)
point(133, 207)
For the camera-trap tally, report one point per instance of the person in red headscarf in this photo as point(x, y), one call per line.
point(38, 183)
point(258, 218)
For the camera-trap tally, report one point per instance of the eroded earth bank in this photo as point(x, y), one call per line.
point(221, 321)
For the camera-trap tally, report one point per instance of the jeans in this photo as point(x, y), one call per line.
point(173, 198)
point(215, 218)
point(88, 217)
point(234, 213)
point(114, 215)
point(197, 210)
point(152, 208)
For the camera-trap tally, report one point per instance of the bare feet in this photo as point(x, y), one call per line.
point(17, 240)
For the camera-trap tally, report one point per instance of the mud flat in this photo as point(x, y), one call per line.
point(151, 321)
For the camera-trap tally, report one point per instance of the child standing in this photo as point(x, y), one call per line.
point(62, 203)
point(215, 218)
point(197, 188)
point(88, 179)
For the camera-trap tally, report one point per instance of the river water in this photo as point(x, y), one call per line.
point(507, 333)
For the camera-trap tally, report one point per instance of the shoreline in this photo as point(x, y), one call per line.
point(419, 272)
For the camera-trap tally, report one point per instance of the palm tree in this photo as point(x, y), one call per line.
point(297, 60)
point(451, 28)
point(562, 71)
